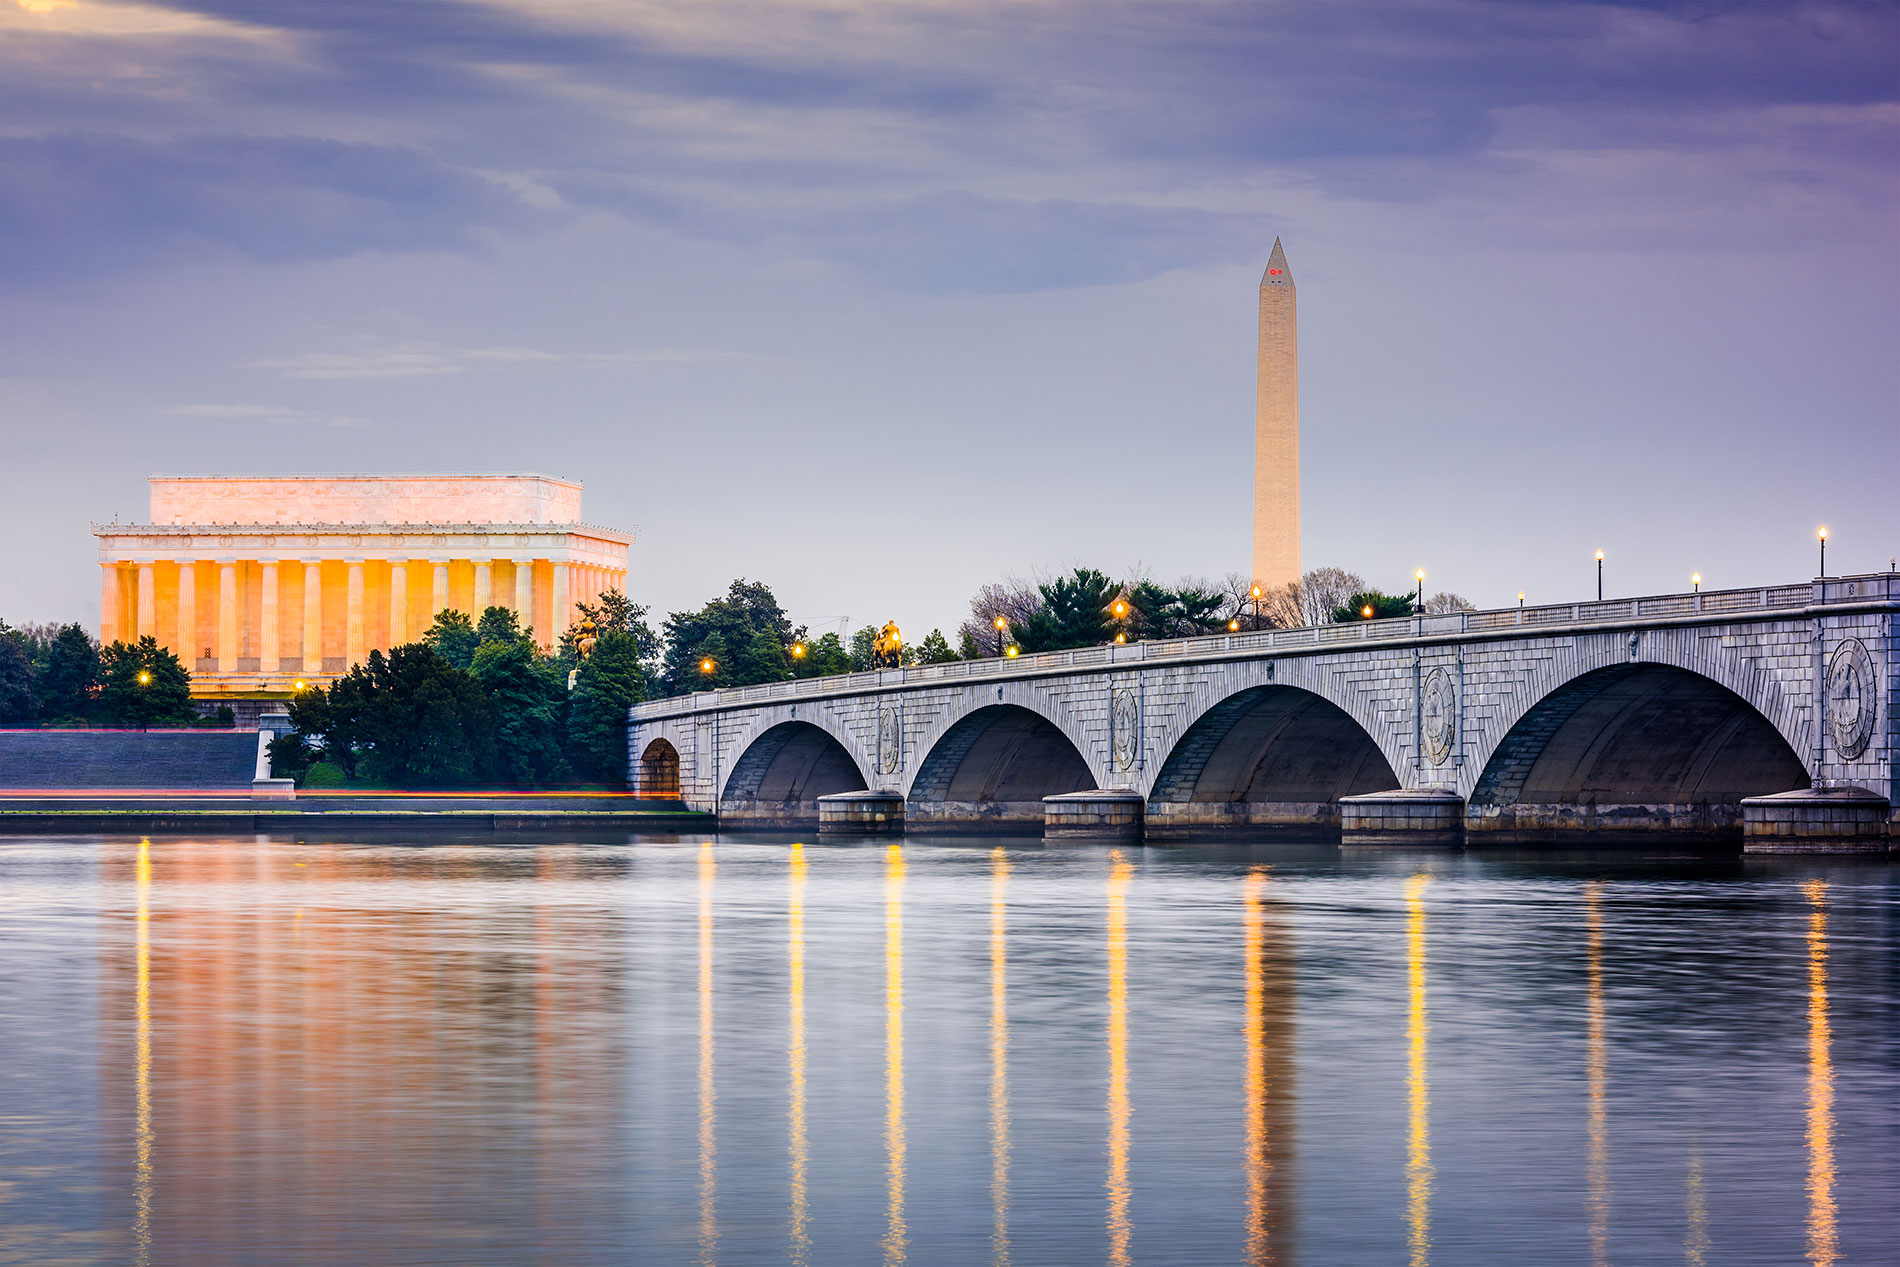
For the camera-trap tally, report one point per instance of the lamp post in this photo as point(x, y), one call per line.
point(1823, 536)
point(798, 653)
point(1520, 600)
point(707, 667)
point(1119, 610)
point(1255, 592)
point(1002, 629)
point(1419, 576)
point(1599, 576)
point(1695, 582)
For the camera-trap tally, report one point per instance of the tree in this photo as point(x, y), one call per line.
point(453, 638)
point(1384, 606)
point(1183, 612)
point(1324, 590)
point(736, 620)
point(1445, 602)
point(614, 611)
point(410, 719)
point(527, 697)
point(610, 682)
point(68, 673)
point(498, 624)
point(142, 684)
point(1012, 598)
point(1074, 613)
point(863, 649)
point(823, 657)
point(935, 649)
point(17, 702)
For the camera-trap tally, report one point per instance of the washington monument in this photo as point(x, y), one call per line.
point(1276, 439)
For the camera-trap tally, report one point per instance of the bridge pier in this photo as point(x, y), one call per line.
point(1817, 820)
point(1403, 817)
point(861, 813)
point(1108, 814)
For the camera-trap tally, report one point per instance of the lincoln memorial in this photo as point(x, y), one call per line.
point(260, 582)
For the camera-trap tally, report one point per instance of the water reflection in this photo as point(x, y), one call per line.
point(708, 1089)
point(1119, 873)
point(1823, 1245)
point(1695, 1242)
point(897, 1232)
point(1418, 1149)
point(1596, 1078)
point(1269, 1074)
point(304, 1053)
point(795, 1056)
point(999, 1056)
point(142, 1175)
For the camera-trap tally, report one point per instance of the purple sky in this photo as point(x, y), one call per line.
point(876, 302)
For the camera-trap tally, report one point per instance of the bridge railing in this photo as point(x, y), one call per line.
point(1871, 587)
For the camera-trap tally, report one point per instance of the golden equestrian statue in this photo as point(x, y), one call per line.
point(889, 647)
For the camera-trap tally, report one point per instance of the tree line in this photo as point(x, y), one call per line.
point(59, 675)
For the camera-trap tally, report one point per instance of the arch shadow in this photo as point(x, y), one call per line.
point(1624, 752)
point(777, 780)
point(1267, 758)
point(656, 776)
point(990, 771)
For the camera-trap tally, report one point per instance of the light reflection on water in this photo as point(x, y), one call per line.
point(746, 1050)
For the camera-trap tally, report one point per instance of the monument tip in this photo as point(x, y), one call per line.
point(1277, 274)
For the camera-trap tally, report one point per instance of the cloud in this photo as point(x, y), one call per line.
point(423, 360)
point(87, 204)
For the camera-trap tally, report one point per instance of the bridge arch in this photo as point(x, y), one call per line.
point(1634, 746)
point(1266, 756)
point(990, 766)
point(657, 772)
point(782, 767)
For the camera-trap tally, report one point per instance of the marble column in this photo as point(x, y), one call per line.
point(398, 602)
point(524, 593)
point(267, 620)
point(561, 603)
point(227, 616)
point(484, 587)
point(355, 644)
point(109, 602)
point(313, 616)
point(148, 599)
point(188, 614)
point(440, 600)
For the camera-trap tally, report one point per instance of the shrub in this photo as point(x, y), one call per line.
point(324, 774)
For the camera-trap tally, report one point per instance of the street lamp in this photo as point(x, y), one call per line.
point(1233, 626)
point(145, 677)
point(1823, 536)
point(1695, 582)
point(1255, 593)
point(1520, 600)
point(1121, 638)
point(1419, 576)
point(1599, 576)
point(1366, 612)
point(706, 666)
point(1002, 631)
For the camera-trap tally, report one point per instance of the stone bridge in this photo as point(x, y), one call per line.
point(1583, 722)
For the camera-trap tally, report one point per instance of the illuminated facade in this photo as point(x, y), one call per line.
point(1276, 452)
point(259, 582)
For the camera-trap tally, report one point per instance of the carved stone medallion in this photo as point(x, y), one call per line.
point(1851, 698)
point(890, 745)
point(1124, 722)
point(1438, 716)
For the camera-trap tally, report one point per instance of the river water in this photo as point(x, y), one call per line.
point(749, 1050)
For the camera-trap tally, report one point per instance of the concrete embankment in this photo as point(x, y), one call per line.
point(91, 815)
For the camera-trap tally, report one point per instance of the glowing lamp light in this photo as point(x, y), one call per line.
point(1255, 592)
point(798, 651)
point(1011, 652)
point(1695, 580)
point(145, 678)
point(302, 685)
point(1120, 639)
point(1823, 533)
point(1366, 611)
point(1001, 623)
point(1599, 556)
point(707, 666)
point(1121, 609)
point(1233, 626)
